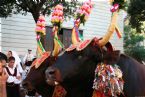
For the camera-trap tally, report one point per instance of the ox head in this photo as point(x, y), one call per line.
point(75, 66)
point(36, 78)
point(80, 65)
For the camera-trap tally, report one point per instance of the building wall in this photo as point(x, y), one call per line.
point(18, 34)
point(18, 31)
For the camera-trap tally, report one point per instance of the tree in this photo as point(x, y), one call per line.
point(132, 44)
point(5, 8)
point(35, 7)
point(136, 11)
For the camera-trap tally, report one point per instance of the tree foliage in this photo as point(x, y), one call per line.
point(133, 44)
point(5, 8)
point(35, 7)
point(136, 11)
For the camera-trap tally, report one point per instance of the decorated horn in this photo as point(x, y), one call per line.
point(110, 31)
point(56, 20)
point(56, 43)
point(81, 17)
point(117, 5)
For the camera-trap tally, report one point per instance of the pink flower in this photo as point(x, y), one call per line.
point(37, 37)
point(114, 7)
point(85, 9)
point(57, 15)
point(59, 7)
point(61, 19)
point(41, 17)
point(40, 26)
point(40, 23)
point(80, 11)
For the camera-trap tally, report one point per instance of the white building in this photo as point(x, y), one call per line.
point(18, 32)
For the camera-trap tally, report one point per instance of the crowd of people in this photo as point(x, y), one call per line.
point(12, 72)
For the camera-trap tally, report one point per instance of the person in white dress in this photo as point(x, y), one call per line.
point(14, 79)
point(17, 60)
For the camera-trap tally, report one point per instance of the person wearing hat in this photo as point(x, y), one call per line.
point(27, 60)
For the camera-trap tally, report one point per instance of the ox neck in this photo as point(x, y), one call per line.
point(133, 76)
point(79, 87)
point(126, 63)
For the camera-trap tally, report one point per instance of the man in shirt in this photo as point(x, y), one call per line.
point(14, 79)
point(28, 58)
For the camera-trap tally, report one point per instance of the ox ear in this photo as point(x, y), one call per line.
point(111, 57)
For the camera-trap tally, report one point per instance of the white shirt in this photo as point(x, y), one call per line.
point(28, 57)
point(13, 78)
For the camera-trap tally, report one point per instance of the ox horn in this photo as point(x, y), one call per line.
point(110, 31)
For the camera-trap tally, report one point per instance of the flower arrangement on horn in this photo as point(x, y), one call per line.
point(40, 25)
point(84, 11)
point(82, 15)
point(56, 20)
point(41, 31)
point(117, 5)
point(57, 15)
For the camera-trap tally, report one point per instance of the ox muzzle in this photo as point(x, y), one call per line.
point(53, 76)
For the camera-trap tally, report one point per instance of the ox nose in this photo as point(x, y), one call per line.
point(53, 75)
point(50, 72)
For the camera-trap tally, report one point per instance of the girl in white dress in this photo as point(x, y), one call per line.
point(17, 60)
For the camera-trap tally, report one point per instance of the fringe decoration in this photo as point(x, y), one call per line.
point(108, 81)
point(98, 94)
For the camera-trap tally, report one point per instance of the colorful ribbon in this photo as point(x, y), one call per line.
point(40, 49)
point(57, 43)
point(78, 35)
point(40, 45)
point(119, 34)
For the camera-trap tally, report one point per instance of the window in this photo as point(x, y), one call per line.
point(64, 35)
